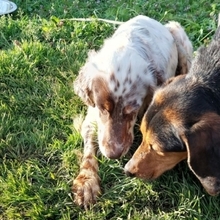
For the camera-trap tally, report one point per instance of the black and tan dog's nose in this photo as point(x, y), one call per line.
point(128, 173)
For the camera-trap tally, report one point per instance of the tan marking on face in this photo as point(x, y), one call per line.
point(150, 160)
point(143, 127)
point(173, 116)
point(150, 163)
point(158, 97)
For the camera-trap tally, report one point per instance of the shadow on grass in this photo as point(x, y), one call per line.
point(176, 194)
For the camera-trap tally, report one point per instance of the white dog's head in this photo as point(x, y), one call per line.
point(113, 85)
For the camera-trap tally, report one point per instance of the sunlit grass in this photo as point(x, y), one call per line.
point(41, 51)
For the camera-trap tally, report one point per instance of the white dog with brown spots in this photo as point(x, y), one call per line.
point(117, 84)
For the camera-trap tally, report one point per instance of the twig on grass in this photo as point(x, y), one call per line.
point(93, 19)
point(218, 19)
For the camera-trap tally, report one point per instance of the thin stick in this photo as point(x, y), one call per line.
point(93, 19)
point(218, 19)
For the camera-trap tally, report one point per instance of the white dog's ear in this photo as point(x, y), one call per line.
point(82, 87)
point(83, 83)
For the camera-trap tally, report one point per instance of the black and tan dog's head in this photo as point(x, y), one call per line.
point(183, 121)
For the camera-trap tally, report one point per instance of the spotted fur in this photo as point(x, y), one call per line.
point(117, 84)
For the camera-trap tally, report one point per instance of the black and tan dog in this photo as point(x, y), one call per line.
point(183, 121)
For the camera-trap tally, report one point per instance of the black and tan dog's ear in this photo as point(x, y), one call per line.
point(83, 83)
point(203, 147)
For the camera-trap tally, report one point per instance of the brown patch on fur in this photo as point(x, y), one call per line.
point(88, 165)
point(100, 84)
point(89, 97)
point(124, 90)
point(118, 84)
point(102, 96)
point(89, 157)
point(108, 105)
point(112, 77)
point(126, 80)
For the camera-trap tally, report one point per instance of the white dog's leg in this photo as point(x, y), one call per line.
point(86, 186)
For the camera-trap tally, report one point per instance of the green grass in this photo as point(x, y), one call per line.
point(40, 55)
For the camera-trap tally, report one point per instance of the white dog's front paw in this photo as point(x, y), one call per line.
point(86, 189)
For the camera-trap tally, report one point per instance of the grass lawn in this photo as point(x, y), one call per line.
point(41, 51)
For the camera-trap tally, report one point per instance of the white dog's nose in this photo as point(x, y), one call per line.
point(113, 153)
